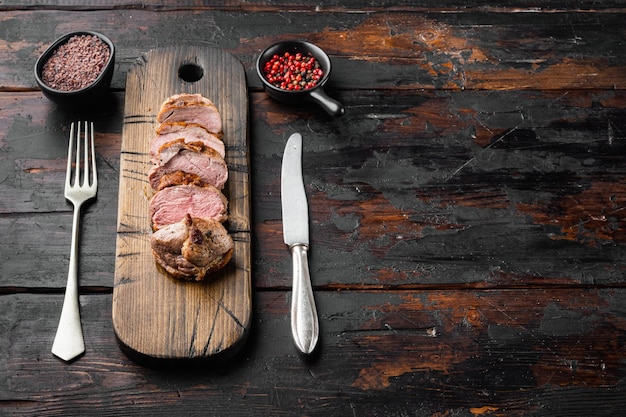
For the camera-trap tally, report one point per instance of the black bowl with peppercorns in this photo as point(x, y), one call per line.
point(76, 69)
point(295, 72)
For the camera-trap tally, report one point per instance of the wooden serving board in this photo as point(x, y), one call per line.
point(154, 315)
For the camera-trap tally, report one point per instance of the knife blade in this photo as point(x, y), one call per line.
point(304, 321)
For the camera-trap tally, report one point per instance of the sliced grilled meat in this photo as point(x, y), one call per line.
point(169, 132)
point(191, 162)
point(191, 108)
point(172, 204)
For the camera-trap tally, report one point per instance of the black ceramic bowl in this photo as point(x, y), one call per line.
point(87, 95)
point(315, 94)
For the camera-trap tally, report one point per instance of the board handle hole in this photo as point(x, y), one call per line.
point(190, 72)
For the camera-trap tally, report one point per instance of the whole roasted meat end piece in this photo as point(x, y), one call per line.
point(192, 248)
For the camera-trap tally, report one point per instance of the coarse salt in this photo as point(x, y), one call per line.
point(76, 64)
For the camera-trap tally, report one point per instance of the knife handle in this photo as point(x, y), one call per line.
point(304, 323)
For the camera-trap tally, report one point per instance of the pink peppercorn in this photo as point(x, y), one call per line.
point(293, 72)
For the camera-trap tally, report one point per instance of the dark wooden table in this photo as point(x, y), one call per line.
point(468, 213)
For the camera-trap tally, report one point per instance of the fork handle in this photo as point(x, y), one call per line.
point(68, 342)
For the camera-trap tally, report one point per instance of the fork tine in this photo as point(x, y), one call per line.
point(81, 144)
point(86, 156)
point(77, 166)
point(94, 171)
point(70, 147)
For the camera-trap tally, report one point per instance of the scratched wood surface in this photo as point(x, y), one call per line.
point(467, 213)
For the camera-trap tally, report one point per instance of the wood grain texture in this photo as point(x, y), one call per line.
point(467, 213)
point(440, 48)
point(525, 205)
point(538, 352)
point(154, 315)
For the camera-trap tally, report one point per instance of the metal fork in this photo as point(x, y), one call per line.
point(68, 342)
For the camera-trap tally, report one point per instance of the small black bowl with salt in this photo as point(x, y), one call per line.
point(76, 69)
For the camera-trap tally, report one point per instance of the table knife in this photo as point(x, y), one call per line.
point(304, 322)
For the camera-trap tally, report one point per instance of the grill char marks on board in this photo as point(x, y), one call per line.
point(189, 170)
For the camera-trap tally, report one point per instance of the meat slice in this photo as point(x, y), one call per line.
point(169, 132)
point(172, 204)
point(191, 162)
point(192, 248)
point(170, 179)
point(191, 108)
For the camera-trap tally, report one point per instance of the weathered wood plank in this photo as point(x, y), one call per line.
point(455, 49)
point(528, 351)
point(424, 188)
point(483, 187)
point(513, 6)
point(33, 211)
